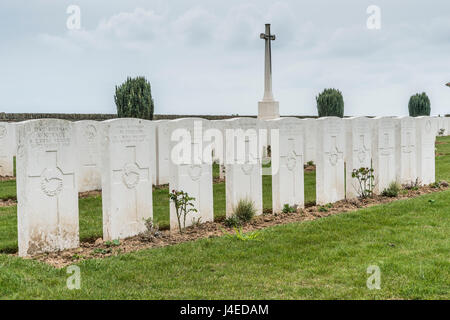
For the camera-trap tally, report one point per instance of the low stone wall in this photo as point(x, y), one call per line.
point(17, 117)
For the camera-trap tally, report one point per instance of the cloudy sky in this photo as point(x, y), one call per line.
point(205, 56)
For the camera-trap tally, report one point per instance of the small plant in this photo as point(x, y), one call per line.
point(391, 191)
point(323, 209)
point(435, 185)
point(330, 103)
point(113, 243)
point(196, 222)
point(245, 210)
point(365, 179)
point(310, 163)
point(102, 251)
point(233, 222)
point(152, 231)
point(413, 185)
point(240, 235)
point(288, 209)
point(419, 105)
point(183, 206)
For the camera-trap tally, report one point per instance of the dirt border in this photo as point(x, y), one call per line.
point(98, 249)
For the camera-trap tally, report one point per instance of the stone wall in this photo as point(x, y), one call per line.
point(17, 117)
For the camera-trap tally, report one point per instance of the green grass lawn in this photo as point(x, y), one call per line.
point(325, 258)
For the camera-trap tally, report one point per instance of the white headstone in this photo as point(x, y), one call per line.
point(330, 160)
point(383, 152)
point(162, 151)
point(406, 149)
point(126, 177)
point(7, 149)
point(358, 151)
point(47, 194)
point(243, 163)
point(219, 145)
point(310, 139)
point(88, 150)
point(435, 121)
point(425, 137)
point(287, 163)
point(191, 169)
point(442, 127)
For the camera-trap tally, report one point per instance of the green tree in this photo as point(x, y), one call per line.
point(419, 105)
point(330, 103)
point(134, 99)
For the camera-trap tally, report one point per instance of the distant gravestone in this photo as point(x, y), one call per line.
point(287, 163)
point(7, 149)
point(162, 151)
point(191, 169)
point(126, 177)
point(406, 160)
point(330, 160)
point(219, 146)
point(426, 138)
point(310, 139)
point(88, 150)
point(243, 172)
point(383, 151)
point(435, 121)
point(358, 151)
point(47, 194)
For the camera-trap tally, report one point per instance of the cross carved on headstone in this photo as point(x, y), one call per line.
point(268, 95)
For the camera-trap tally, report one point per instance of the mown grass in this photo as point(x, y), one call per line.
point(320, 259)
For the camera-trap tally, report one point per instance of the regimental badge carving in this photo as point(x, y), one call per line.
point(52, 181)
point(291, 161)
point(361, 155)
point(130, 175)
point(333, 158)
point(195, 171)
point(247, 168)
point(3, 131)
point(90, 132)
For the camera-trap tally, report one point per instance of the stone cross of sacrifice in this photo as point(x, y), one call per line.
point(268, 96)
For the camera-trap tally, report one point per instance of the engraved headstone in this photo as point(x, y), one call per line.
point(126, 177)
point(7, 149)
point(406, 160)
point(191, 169)
point(88, 150)
point(243, 172)
point(47, 194)
point(330, 160)
point(425, 138)
point(358, 151)
point(383, 152)
point(310, 139)
point(287, 163)
point(162, 151)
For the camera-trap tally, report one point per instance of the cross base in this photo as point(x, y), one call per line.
point(268, 110)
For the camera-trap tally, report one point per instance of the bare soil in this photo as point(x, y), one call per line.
point(7, 178)
point(97, 248)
